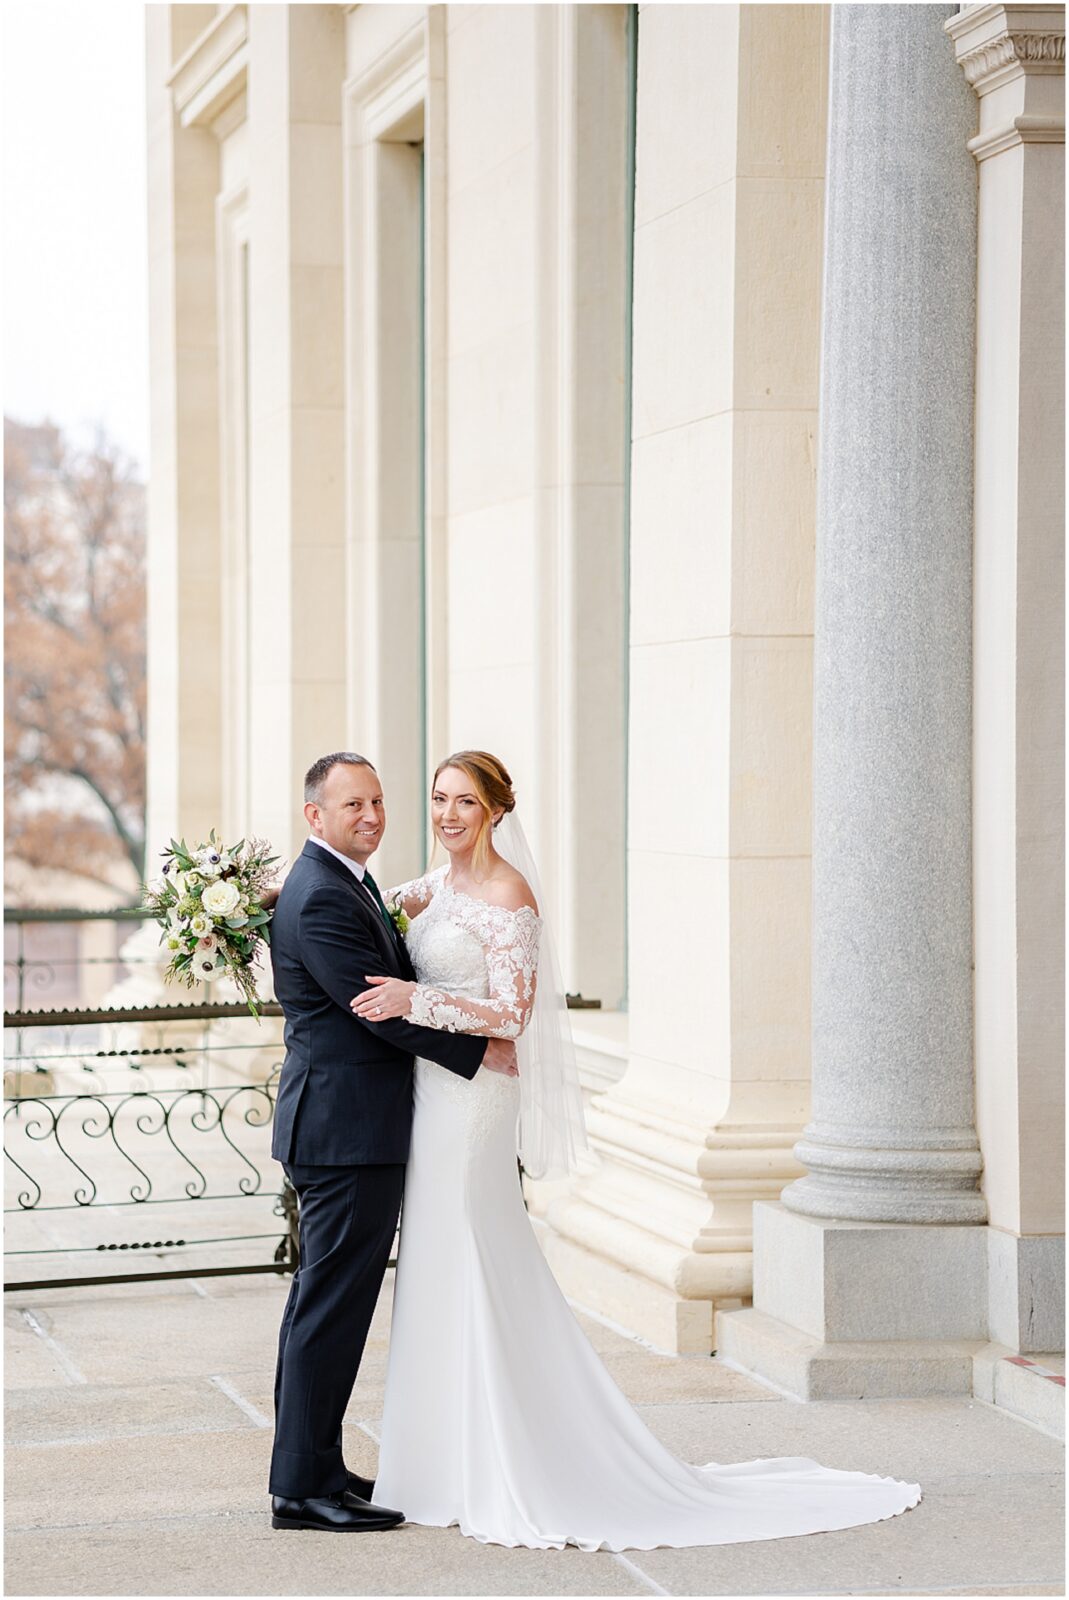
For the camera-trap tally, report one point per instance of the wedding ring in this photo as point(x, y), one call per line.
point(376, 1011)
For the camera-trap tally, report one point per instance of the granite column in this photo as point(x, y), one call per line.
point(892, 1135)
point(891, 1141)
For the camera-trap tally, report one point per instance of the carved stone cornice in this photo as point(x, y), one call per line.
point(211, 75)
point(1044, 52)
point(995, 43)
point(1009, 54)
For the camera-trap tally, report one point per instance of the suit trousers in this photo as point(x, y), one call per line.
point(347, 1221)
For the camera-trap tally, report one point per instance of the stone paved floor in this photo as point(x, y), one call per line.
point(138, 1440)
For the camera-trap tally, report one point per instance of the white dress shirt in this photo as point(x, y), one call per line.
point(355, 867)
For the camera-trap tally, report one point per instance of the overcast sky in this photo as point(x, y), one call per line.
point(75, 293)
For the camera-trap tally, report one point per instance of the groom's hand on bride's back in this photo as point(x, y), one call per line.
point(501, 1057)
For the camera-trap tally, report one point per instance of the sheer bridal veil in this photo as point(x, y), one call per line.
point(552, 1127)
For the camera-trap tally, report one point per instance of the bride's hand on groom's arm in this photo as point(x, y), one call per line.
point(388, 997)
point(392, 997)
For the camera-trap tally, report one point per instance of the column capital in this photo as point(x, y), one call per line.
point(995, 43)
point(1011, 55)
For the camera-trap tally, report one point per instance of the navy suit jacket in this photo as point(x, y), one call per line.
point(345, 1094)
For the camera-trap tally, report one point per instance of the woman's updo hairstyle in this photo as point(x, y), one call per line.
point(492, 787)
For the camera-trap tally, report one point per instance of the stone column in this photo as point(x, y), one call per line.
point(892, 1136)
point(1013, 56)
point(891, 1142)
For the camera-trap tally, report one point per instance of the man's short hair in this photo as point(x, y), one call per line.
point(316, 775)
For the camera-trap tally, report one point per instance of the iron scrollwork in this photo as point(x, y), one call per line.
point(138, 1147)
point(116, 1118)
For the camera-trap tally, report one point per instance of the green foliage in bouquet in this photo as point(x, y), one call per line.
point(207, 900)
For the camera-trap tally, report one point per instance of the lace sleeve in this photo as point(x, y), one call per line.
point(415, 894)
point(510, 942)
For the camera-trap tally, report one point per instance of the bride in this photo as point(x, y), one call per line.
point(498, 1416)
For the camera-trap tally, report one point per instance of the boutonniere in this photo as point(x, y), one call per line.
point(398, 917)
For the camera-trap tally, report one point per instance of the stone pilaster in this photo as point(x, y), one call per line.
point(297, 532)
point(728, 209)
point(1013, 57)
point(183, 494)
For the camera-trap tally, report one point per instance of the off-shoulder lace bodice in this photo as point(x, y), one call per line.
point(476, 964)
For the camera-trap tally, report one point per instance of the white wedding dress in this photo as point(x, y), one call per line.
point(499, 1417)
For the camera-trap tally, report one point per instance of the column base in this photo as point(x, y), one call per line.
point(846, 1309)
point(845, 1280)
point(855, 1310)
point(657, 1236)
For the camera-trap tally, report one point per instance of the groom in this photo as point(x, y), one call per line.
point(341, 1131)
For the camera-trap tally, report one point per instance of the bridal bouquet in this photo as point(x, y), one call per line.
point(208, 903)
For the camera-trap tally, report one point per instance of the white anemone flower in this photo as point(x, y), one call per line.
point(206, 965)
point(210, 861)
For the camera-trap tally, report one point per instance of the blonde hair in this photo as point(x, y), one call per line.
point(493, 790)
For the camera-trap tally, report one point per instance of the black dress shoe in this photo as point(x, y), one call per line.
point(336, 1513)
point(363, 1488)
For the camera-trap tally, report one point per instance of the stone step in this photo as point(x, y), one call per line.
point(1032, 1386)
point(859, 1369)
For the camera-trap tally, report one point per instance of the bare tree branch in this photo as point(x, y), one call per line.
point(74, 609)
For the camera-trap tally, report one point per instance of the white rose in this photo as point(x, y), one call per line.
point(221, 898)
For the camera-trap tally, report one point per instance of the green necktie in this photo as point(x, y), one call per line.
point(370, 884)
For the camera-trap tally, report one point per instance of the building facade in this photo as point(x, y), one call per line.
point(668, 399)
